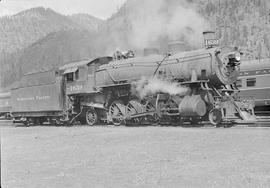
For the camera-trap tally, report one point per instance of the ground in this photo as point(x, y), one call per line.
point(103, 156)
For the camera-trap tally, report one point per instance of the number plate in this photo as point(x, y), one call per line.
point(211, 42)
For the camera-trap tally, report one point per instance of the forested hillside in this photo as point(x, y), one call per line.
point(41, 38)
point(25, 28)
point(52, 51)
point(244, 23)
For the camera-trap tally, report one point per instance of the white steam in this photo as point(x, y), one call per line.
point(148, 86)
point(154, 20)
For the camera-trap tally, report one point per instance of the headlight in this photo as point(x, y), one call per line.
point(237, 56)
point(234, 56)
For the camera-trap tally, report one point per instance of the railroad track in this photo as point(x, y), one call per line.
point(262, 121)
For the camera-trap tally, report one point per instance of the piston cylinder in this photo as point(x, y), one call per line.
point(192, 106)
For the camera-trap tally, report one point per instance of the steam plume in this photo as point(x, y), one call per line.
point(148, 86)
point(150, 23)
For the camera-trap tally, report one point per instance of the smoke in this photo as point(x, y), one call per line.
point(153, 21)
point(141, 24)
point(147, 86)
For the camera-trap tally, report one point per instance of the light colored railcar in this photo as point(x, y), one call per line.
point(254, 82)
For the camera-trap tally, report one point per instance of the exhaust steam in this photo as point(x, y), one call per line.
point(148, 86)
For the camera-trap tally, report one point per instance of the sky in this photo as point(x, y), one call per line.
point(99, 8)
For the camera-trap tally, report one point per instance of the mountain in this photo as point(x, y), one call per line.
point(20, 30)
point(41, 38)
point(57, 49)
point(86, 21)
point(54, 50)
point(32, 37)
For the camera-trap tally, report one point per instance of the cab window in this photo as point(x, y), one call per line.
point(251, 82)
point(70, 77)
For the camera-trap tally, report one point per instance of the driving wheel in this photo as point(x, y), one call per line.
point(116, 112)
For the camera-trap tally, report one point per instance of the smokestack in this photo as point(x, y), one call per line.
point(210, 39)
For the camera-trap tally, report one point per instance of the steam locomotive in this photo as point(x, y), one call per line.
point(190, 86)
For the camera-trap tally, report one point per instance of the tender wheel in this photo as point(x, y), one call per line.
point(215, 117)
point(38, 121)
point(116, 113)
point(42, 120)
point(91, 117)
point(54, 121)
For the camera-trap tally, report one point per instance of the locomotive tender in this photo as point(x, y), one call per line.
point(39, 97)
point(193, 86)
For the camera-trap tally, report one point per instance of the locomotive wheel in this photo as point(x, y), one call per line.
point(116, 112)
point(27, 122)
point(135, 107)
point(215, 117)
point(149, 107)
point(91, 117)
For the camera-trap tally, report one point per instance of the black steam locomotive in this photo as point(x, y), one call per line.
point(190, 86)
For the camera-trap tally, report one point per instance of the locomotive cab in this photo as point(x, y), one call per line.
point(83, 97)
point(80, 75)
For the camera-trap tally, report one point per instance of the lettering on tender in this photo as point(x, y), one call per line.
point(33, 98)
point(42, 97)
